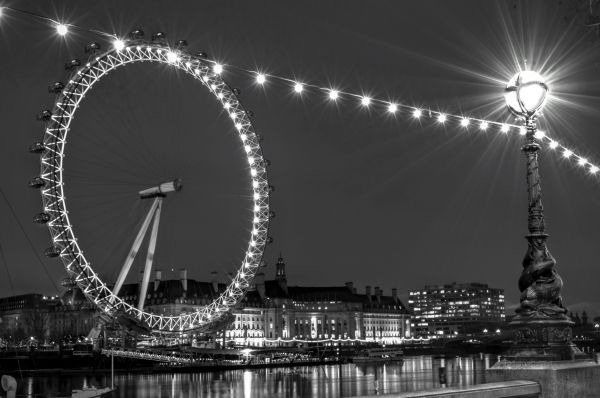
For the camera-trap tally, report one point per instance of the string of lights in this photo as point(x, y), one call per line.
point(335, 95)
point(403, 340)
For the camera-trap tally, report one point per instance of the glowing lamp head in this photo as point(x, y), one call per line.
point(526, 93)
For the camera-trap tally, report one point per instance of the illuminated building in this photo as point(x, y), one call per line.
point(46, 317)
point(456, 309)
point(271, 312)
point(274, 313)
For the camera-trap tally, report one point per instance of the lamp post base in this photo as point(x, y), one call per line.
point(542, 339)
point(558, 379)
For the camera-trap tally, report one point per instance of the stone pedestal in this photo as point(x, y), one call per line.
point(542, 339)
point(558, 379)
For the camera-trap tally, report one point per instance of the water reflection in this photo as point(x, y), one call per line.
point(414, 373)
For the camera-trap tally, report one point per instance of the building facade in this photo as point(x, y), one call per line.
point(456, 309)
point(46, 318)
point(273, 313)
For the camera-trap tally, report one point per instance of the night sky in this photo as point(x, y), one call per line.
point(360, 195)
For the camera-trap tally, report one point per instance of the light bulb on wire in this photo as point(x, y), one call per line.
point(62, 29)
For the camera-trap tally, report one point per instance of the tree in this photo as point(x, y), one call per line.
point(36, 324)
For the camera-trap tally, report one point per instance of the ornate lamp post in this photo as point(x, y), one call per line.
point(543, 329)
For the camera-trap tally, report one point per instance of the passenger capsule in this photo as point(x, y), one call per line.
point(73, 64)
point(37, 147)
point(92, 47)
point(180, 44)
point(41, 218)
point(159, 36)
point(52, 252)
point(271, 188)
point(56, 87)
point(271, 214)
point(250, 113)
point(36, 182)
point(201, 54)
point(269, 240)
point(44, 115)
point(136, 34)
point(237, 91)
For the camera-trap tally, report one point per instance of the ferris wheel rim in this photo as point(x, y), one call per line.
point(54, 199)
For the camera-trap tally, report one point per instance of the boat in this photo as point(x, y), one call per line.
point(371, 355)
point(91, 392)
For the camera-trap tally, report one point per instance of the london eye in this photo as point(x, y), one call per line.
point(105, 294)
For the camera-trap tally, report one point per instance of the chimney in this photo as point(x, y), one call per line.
point(215, 283)
point(378, 294)
point(368, 292)
point(183, 278)
point(157, 279)
point(259, 281)
point(395, 295)
point(350, 286)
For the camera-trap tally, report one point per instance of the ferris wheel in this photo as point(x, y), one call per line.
point(53, 148)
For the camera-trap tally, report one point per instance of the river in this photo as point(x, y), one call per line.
point(414, 373)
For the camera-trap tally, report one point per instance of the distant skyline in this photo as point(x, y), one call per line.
point(360, 195)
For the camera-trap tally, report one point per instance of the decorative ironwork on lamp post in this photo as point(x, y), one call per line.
point(543, 329)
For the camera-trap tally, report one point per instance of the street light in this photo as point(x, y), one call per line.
point(543, 327)
point(526, 93)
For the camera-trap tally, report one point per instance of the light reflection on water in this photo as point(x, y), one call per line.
point(415, 373)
